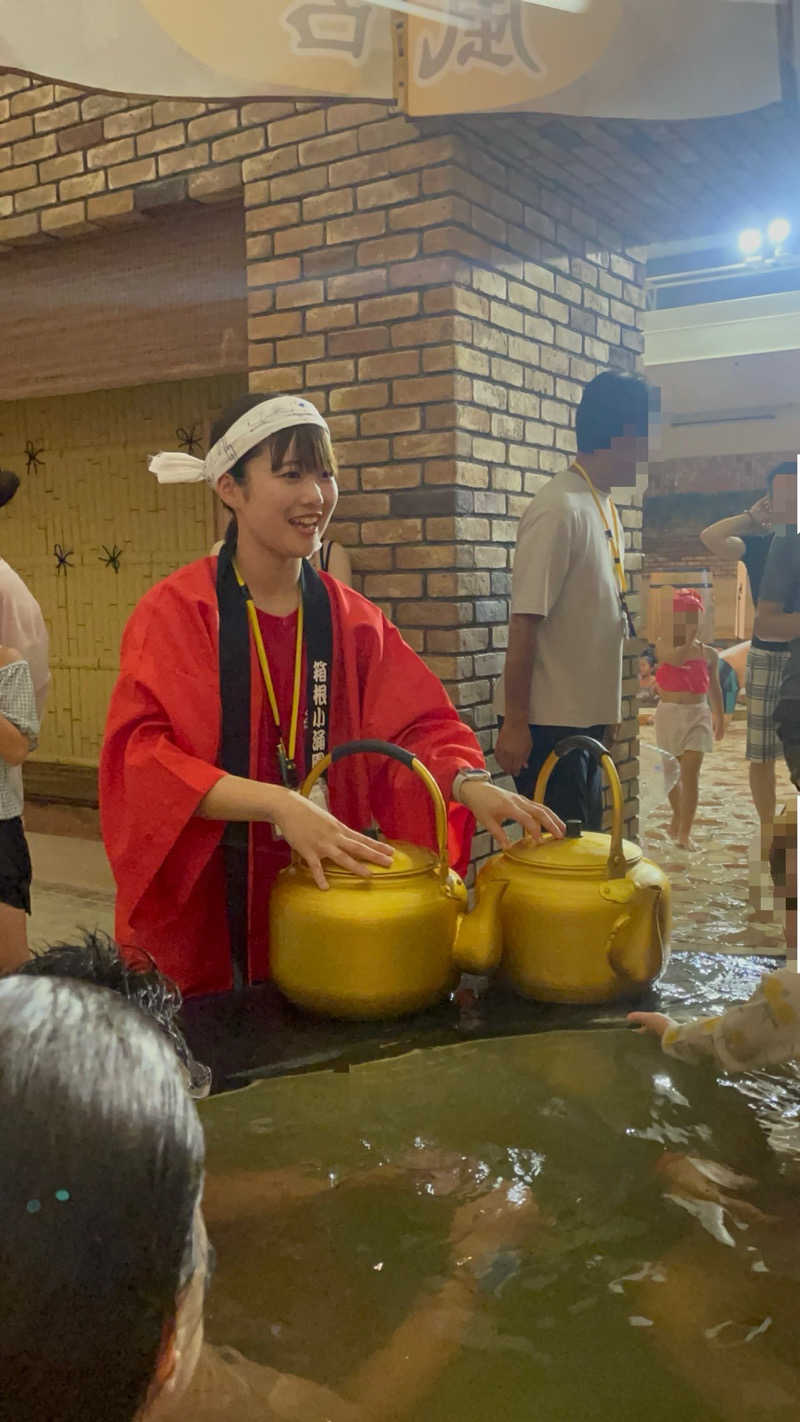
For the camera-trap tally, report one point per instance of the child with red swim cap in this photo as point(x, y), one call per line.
point(690, 713)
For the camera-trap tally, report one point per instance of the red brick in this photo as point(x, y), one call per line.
point(332, 204)
point(213, 125)
point(283, 380)
point(271, 273)
point(388, 308)
point(331, 372)
point(120, 151)
point(64, 167)
point(40, 96)
point(329, 262)
point(328, 150)
point(36, 197)
point(304, 348)
point(359, 342)
point(216, 184)
point(301, 293)
point(390, 421)
point(159, 139)
point(326, 318)
point(299, 239)
point(84, 135)
point(131, 174)
point(238, 145)
point(386, 367)
point(388, 191)
point(16, 130)
point(297, 128)
point(356, 228)
point(359, 397)
point(183, 159)
point(344, 288)
point(268, 219)
point(48, 120)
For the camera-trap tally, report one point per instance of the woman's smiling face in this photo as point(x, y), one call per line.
point(285, 510)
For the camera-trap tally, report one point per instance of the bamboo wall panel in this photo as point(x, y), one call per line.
point(164, 300)
point(92, 489)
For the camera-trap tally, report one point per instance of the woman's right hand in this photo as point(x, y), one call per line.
point(315, 835)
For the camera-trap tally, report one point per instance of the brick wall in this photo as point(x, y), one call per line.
point(442, 306)
point(686, 495)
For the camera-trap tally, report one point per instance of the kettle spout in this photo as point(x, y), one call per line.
point(479, 937)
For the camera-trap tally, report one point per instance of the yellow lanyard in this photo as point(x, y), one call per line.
point(613, 538)
point(286, 757)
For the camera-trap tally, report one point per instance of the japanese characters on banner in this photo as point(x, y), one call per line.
point(506, 53)
point(635, 59)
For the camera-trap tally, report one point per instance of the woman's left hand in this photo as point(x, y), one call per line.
point(491, 806)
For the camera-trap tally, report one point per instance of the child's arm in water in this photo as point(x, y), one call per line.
point(715, 692)
point(394, 1378)
point(763, 1031)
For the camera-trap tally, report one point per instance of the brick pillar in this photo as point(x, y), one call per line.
point(445, 310)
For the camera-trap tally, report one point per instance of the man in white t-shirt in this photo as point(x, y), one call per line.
point(21, 622)
point(563, 673)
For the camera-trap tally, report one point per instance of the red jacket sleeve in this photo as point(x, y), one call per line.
point(158, 755)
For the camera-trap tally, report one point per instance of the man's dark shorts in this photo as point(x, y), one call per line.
point(15, 865)
point(575, 788)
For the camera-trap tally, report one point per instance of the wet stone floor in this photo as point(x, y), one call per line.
point(722, 897)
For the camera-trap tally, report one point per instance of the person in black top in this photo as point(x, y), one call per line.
point(748, 537)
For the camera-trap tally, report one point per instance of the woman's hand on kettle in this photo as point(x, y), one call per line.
point(316, 835)
point(491, 805)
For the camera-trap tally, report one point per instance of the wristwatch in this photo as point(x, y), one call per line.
point(464, 775)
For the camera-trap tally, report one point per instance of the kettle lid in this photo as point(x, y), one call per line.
point(579, 852)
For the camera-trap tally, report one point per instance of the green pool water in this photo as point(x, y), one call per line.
point(560, 1329)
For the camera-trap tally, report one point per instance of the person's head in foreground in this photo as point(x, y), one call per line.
point(96, 959)
point(647, 662)
point(687, 609)
point(103, 1251)
point(612, 424)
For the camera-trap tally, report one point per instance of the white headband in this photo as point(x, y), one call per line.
point(265, 419)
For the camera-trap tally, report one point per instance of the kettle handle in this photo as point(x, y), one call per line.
point(616, 857)
point(405, 757)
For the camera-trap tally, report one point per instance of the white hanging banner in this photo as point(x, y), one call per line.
point(636, 59)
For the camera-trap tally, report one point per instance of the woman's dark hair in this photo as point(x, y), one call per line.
point(312, 445)
point(789, 466)
point(100, 1172)
point(95, 958)
point(612, 405)
point(648, 655)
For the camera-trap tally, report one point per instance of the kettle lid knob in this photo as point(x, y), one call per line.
point(574, 829)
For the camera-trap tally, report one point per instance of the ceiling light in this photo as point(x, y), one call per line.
point(778, 231)
point(750, 242)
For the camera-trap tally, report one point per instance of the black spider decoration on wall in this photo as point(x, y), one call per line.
point(111, 557)
point(32, 454)
point(189, 439)
point(62, 558)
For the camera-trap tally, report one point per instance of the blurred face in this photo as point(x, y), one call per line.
point(645, 669)
point(685, 624)
point(783, 499)
point(284, 511)
point(629, 451)
point(181, 1351)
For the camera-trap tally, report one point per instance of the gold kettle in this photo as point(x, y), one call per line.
point(584, 919)
point(382, 946)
